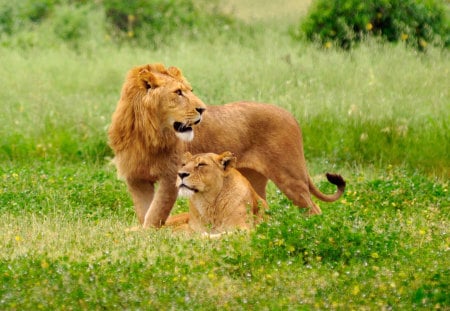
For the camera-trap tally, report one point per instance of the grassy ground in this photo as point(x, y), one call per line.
point(378, 115)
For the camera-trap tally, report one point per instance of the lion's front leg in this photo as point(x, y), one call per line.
point(142, 192)
point(162, 204)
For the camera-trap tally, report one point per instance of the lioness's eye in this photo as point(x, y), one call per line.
point(201, 164)
point(179, 92)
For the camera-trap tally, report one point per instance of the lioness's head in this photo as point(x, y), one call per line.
point(204, 173)
point(167, 97)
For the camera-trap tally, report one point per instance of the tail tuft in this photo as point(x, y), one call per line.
point(337, 180)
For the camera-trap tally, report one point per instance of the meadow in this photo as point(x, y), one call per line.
point(379, 115)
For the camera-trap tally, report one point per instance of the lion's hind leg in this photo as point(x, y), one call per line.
point(298, 192)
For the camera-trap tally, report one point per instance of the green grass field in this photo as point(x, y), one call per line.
point(379, 115)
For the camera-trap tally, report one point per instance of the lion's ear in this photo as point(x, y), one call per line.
point(149, 79)
point(227, 160)
point(175, 72)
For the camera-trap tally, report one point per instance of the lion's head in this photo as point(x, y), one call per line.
point(155, 103)
point(204, 173)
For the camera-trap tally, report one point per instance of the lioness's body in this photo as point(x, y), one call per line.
point(151, 127)
point(220, 198)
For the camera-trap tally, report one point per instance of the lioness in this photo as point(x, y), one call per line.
point(154, 124)
point(220, 198)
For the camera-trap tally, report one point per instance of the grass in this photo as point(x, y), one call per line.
point(384, 245)
point(378, 115)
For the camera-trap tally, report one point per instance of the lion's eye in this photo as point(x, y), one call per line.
point(201, 164)
point(179, 92)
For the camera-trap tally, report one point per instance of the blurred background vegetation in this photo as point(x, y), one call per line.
point(342, 22)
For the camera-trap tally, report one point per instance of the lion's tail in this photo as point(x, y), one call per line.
point(335, 179)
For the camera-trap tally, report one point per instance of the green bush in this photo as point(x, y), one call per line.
point(14, 16)
point(154, 20)
point(18, 16)
point(70, 23)
point(32, 22)
point(37, 11)
point(346, 22)
point(6, 20)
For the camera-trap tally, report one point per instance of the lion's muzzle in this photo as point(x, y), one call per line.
point(182, 127)
point(184, 131)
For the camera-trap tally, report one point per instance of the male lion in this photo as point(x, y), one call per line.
point(154, 124)
point(220, 198)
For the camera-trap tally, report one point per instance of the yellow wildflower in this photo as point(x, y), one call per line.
point(131, 18)
point(423, 43)
point(211, 276)
point(44, 264)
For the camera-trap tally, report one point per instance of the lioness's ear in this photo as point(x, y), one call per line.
point(175, 72)
point(149, 79)
point(227, 160)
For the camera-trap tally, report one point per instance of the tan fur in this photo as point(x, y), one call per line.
point(265, 138)
point(220, 198)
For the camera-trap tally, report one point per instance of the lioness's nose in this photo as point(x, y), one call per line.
point(200, 110)
point(183, 174)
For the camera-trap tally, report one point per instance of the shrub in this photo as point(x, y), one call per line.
point(37, 22)
point(153, 20)
point(6, 20)
point(36, 11)
point(70, 24)
point(346, 22)
point(16, 16)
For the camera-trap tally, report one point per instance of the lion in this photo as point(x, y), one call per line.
point(220, 198)
point(153, 125)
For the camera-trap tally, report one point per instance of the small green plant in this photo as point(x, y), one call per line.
point(346, 22)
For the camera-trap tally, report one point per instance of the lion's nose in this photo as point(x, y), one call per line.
point(183, 174)
point(200, 110)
